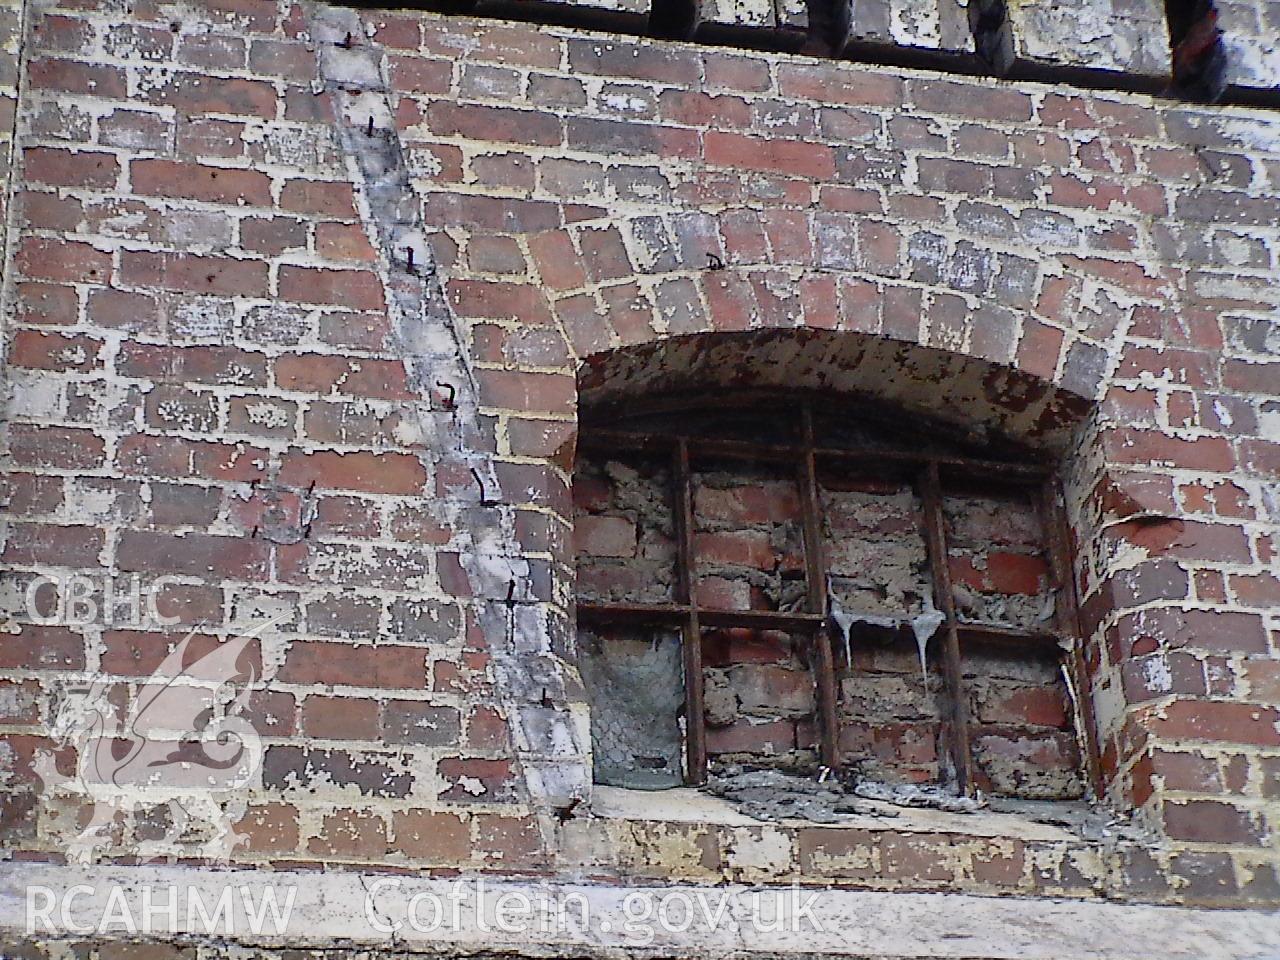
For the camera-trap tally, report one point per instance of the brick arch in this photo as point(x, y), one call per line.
point(976, 394)
point(607, 282)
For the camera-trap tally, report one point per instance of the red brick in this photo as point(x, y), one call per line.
point(736, 71)
point(359, 289)
point(42, 544)
point(821, 83)
point(223, 366)
point(273, 235)
point(967, 99)
point(137, 653)
point(740, 548)
point(340, 718)
point(637, 60)
point(194, 554)
point(51, 211)
point(1128, 445)
point(63, 260)
point(45, 303)
point(1187, 771)
point(534, 392)
point(1037, 706)
point(37, 350)
point(390, 473)
point(418, 75)
point(397, 31)
point(43, 648)
point(1220, 722)
point(193, 273)
point(65, 34)
point(177, 458)
point(487, 730)
point(793, 157)
point(31, 494)
point(65, 168)
point(1017, 573)
point(377, 666)
point(358, 834)
point(194, 181)
point(200, 93)
point(344, 241)
point(432, 835)
point(212, 51)
point(414, 722)
point(58, 448)
point(774, 737)
point(69, 76)
point(320, 198)
point(1225, 499)
point(511, 841)
point(1208, 821)
point(500, 124)
point(121, 310)
point(327, 375)
point(604, 536)
point(1231, 631)
point(460, 773)
point(499, 301)
point(1250, 377)
point(269, 828)
point(1185, 539)
point(694, 108)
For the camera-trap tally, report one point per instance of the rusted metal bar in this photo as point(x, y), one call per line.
point(1013, 639)
point(1011, 472)
point(957, 708)
point(1067, 614)
point(869, 458)
point(695, 721)
point(591, 612)
point(791, 620)
point(610, 441)
point(816, 581)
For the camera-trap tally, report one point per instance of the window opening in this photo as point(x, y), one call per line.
point(842, 590)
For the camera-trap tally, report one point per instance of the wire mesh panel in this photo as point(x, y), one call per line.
point(635, 683)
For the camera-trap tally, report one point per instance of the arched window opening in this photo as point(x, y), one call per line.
point(759, 584)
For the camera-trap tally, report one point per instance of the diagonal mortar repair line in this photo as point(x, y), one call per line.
point(10, 223)
point(433, 349)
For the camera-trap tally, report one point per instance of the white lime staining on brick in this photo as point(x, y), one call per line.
point(1126, 36)
point(1251, 39)
point(759, 14)
point(938, 26)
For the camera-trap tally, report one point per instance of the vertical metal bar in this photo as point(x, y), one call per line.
point(816, 582)
point(1067, 615)
point(957, 707)
point(691, 631)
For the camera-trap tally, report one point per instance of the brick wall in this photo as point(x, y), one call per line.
point(224, 369)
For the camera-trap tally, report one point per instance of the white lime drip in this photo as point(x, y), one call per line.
point(924, 625)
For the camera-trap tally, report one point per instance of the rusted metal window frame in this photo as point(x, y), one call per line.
point(813, 623)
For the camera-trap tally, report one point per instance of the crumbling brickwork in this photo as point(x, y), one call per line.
point(225, 368)
point(761, 684)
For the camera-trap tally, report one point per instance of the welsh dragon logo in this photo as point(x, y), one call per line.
point(183, 746)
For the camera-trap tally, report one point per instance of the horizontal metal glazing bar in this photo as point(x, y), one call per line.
point(617, 440)
point(676, 613)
